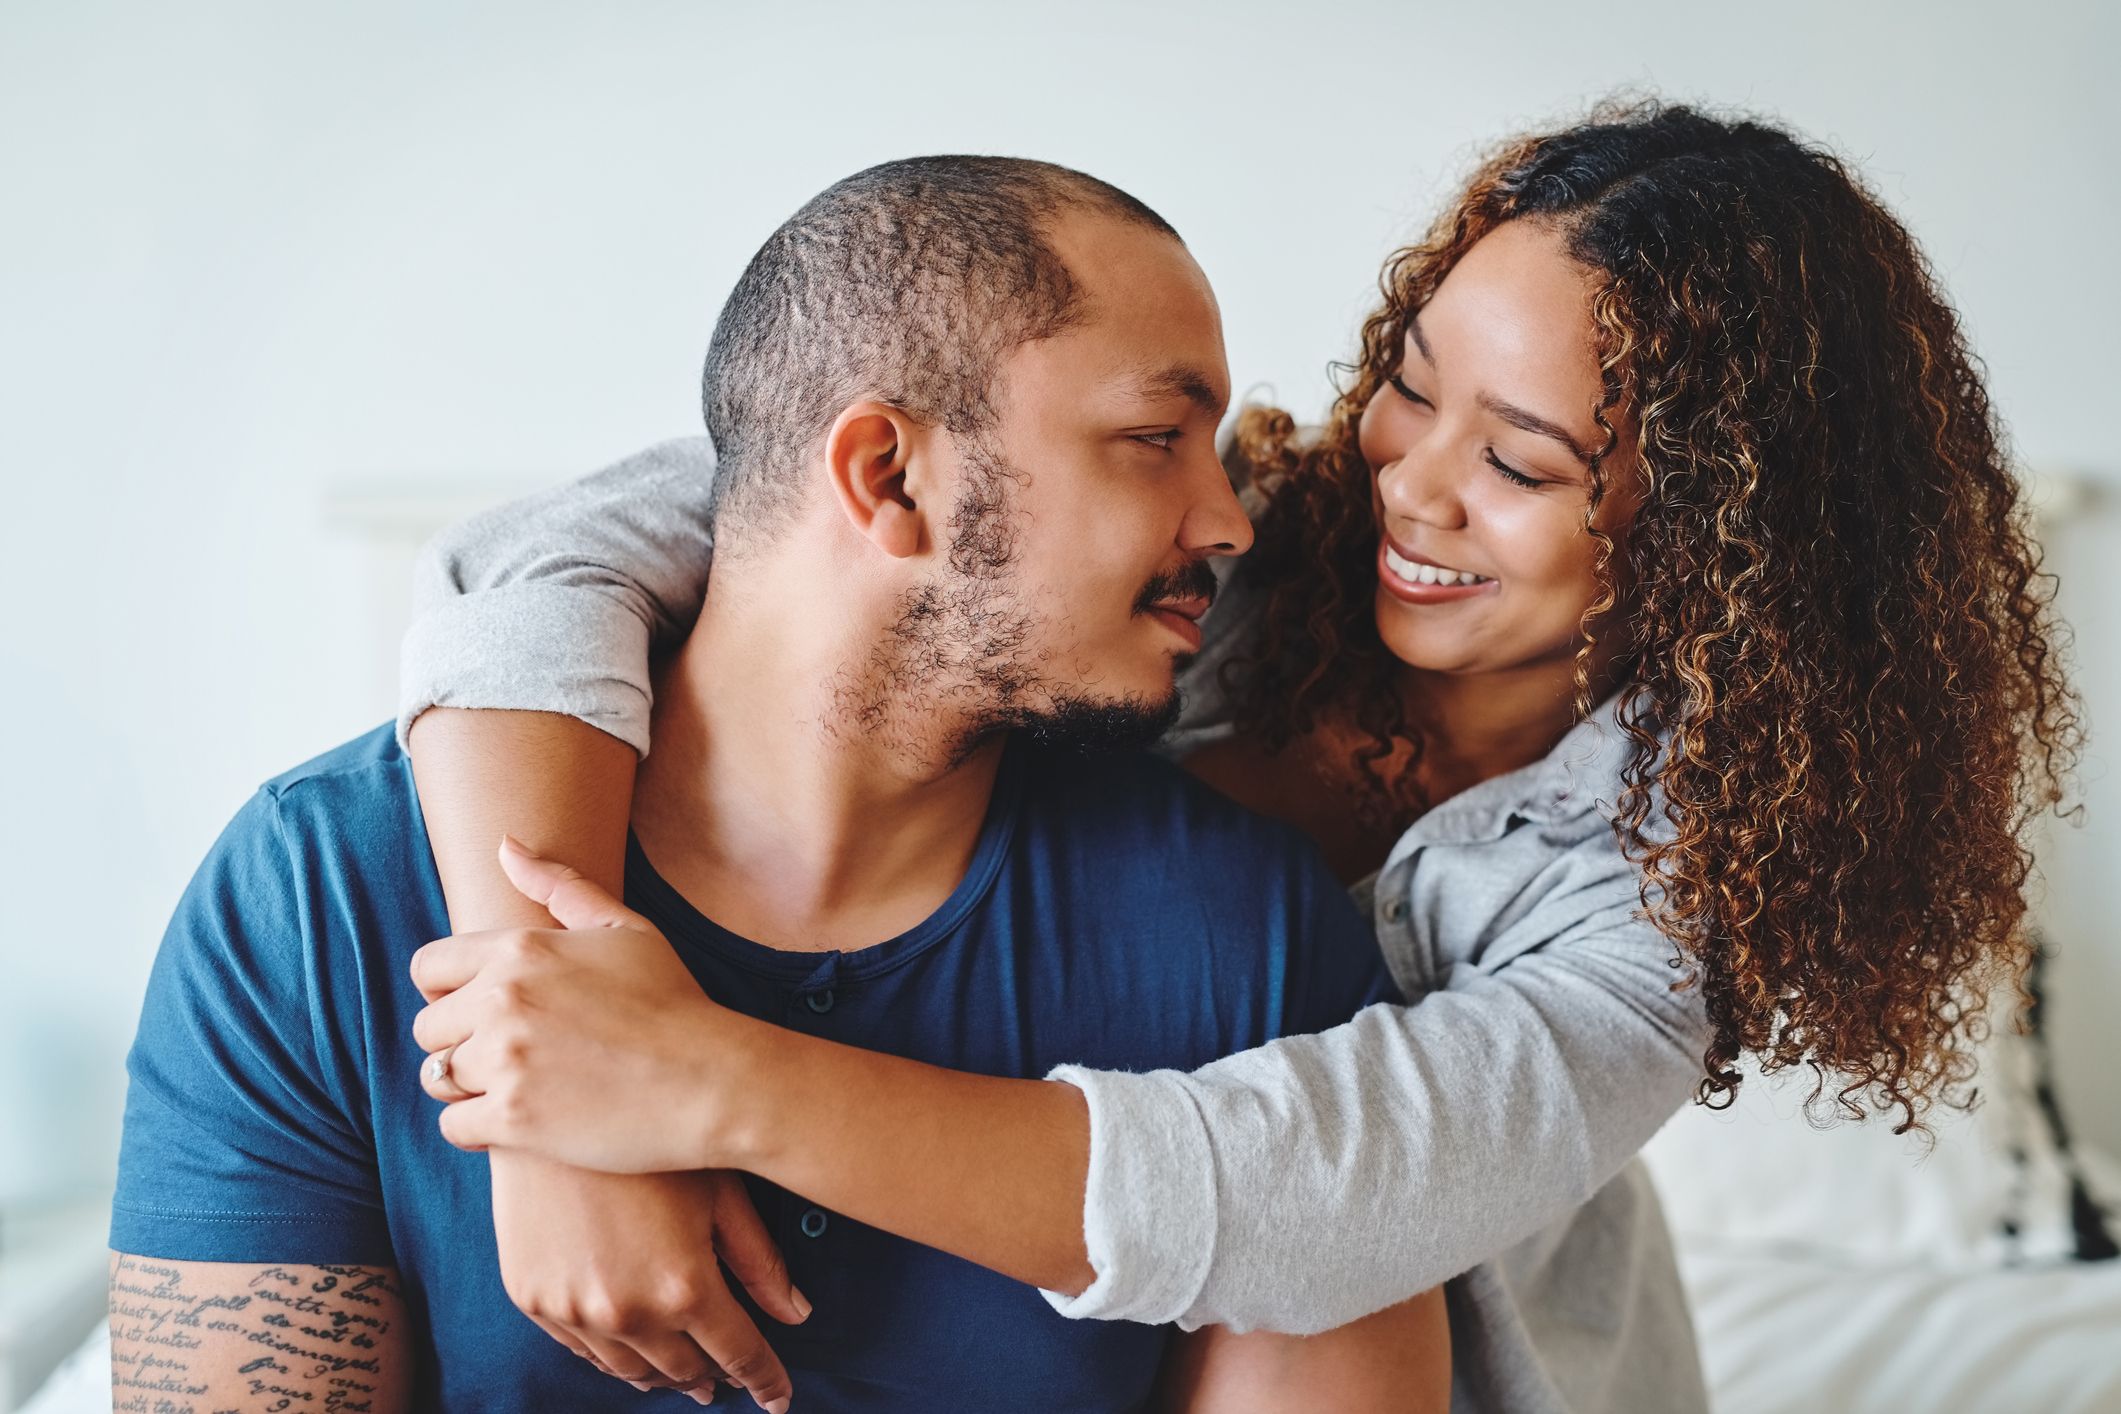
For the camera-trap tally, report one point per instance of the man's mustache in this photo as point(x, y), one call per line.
point(1193, 580)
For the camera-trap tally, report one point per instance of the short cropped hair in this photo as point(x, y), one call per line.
point(907, 283)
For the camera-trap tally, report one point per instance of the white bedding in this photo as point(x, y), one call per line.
point(1800, 1335)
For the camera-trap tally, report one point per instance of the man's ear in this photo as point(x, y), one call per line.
point(873, 459)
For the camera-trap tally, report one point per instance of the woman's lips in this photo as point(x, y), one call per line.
point(1412, 591)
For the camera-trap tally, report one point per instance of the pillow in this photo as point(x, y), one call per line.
point(2000, 1186)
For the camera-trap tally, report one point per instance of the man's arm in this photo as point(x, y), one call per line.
point(199, 1337)
point(1397, 1360)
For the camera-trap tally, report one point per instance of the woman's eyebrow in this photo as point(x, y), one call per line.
point(1509, 412)
point(1421, 341)
point(1533, 422)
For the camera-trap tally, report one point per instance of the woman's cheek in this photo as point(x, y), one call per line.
point(1376, 438)
point(1518, 535)
point(1541, 543)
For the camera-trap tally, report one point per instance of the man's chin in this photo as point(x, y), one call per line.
point(1086, 725)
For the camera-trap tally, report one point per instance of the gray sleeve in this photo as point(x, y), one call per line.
point(555, 602)
point(1319, 1178)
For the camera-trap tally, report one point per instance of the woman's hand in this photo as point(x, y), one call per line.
point(590, 1043)
point(625, 1271)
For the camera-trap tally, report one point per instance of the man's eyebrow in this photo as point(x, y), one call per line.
point(1181, 381)
point(1533, 422)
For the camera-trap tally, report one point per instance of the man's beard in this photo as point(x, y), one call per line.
point(964, 647)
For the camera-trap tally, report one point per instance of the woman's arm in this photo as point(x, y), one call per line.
point(552, 781)
point(554, 602)
point(1396, 1361)
point(589, 578)
point(1295, 1187)
point(1414, 1142)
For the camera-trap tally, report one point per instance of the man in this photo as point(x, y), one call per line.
point(964, 410)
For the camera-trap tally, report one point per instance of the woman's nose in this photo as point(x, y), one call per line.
point(1416, 487)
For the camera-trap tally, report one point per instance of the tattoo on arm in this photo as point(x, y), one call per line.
point(204, 1337)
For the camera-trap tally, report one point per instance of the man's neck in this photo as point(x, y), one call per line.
point(777, 818)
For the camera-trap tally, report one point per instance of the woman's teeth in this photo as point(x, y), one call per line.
point(1428, 574)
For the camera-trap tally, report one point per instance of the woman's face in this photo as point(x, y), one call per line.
point(1479, 447)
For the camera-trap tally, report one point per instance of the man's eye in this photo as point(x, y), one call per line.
point(1160, 440)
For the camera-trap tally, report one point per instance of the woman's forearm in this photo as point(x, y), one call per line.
point(989, 1169)
point(986, 1168)
point(557, 784)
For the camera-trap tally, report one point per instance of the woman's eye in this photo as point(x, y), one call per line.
point(1160, 440)
point(1399, 386)
point(1510, 473)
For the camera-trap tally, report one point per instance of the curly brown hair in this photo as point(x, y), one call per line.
point(1842, 681)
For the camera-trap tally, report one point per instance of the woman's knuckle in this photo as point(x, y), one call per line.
point(680, 1301)
point(599, 1311)
point(511, 1109)
point(747, 1364)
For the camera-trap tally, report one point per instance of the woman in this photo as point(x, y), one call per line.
point(1653, 618)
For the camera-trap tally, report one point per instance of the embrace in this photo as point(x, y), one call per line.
point(1010, 983)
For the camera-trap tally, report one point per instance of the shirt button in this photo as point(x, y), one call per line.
point(1395, 910)
point(819, 1002)
point(814, 1223)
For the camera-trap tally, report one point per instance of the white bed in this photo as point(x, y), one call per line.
point(1791, 1334)
point(1845, 1270)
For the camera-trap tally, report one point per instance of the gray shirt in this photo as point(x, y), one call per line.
point(1482, 1136)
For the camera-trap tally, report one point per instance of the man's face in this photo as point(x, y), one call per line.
point(1084, 521)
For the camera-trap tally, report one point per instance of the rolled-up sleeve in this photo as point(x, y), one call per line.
point(1317, 1179)
point(556, 602)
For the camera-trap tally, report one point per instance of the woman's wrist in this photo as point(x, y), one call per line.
point(738, 1082)
point(988, 1168)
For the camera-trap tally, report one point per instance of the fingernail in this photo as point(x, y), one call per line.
point(511, 842)
point(802, 1303)
point(778, 1406)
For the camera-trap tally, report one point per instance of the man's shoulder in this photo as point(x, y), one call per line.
point(343, 826)
point(370, 762)
point(360, 787)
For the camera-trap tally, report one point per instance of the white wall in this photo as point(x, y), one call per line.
point(255, 253)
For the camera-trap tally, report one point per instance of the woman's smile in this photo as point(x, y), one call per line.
point(1420, 580)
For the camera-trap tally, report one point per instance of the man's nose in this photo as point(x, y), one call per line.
point(1216, 523)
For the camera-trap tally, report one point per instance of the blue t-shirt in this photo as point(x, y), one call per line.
point(1115, 913)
